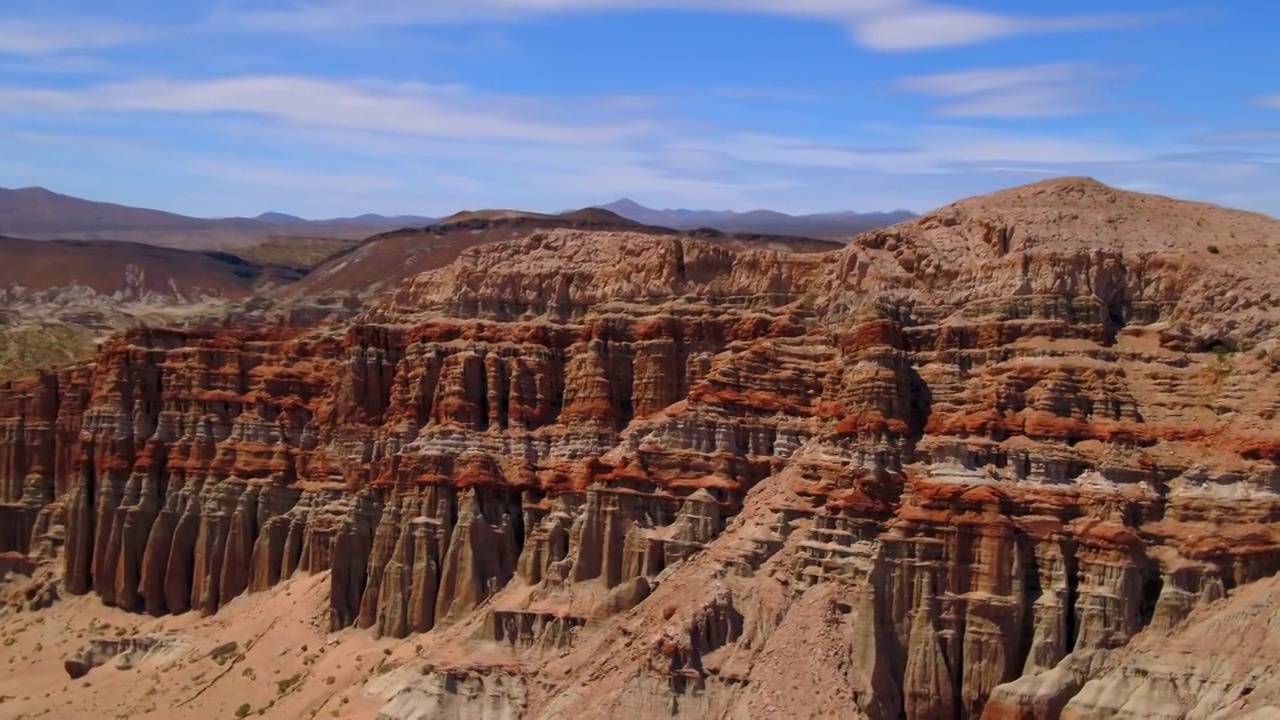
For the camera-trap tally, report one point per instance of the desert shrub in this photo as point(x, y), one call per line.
point(224, 652)
point(284, 686)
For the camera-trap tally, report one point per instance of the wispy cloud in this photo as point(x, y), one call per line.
point(1243, 136)
point(1271, 101)
point(50, 37)
point(333, 170)
point(921, 26)
point(886, 25)
point(257, 175)
point(926, 150)
point(1220, 157)
point(284, 127)
point(65, 64)
point(345, 14)
point(350, 163)
point(401, 108)
point(1016, 92)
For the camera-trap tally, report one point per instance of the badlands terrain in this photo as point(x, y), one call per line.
point(100, 268)
point(1016, 458)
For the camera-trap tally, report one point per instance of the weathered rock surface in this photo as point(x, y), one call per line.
point(124, 653)
point(463, 693)
point(956, 469)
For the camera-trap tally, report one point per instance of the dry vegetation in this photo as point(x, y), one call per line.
point(27, 348)
point(303, 252)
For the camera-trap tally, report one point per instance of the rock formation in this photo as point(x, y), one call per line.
point(960, 468)
point(123, 653)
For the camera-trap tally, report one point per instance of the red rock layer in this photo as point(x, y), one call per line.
point(676, 463)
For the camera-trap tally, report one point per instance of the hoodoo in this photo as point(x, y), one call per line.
point(1016, 458)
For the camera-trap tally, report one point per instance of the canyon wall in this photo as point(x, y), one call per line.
point(620, 473)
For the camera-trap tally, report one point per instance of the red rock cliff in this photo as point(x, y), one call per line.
point(946, 472)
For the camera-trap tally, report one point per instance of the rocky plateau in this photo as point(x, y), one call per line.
point(1016, 458)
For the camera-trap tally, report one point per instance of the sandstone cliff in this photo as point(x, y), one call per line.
point(960, 468)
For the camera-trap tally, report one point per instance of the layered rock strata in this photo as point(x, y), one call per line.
point(948, 471)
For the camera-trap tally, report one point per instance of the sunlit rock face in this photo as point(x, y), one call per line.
point(957, 469)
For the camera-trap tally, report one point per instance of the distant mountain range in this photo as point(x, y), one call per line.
point(366, 220)
point(821, 225)
point(37, 210)
point(42, 214)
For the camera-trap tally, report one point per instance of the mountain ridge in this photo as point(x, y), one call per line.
point(844, 223)
point(43, 214)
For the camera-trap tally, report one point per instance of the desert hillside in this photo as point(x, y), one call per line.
point(382, 262)
point(41, 214)
point(1016, 458)
point(59, 298)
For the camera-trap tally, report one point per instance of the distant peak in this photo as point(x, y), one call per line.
point(496, 215)
point(624, 203)
point(278, 217)
point(597, 215)
point(1053, 190)
point(1074, 185)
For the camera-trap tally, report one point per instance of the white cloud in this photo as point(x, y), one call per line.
point(325, 171)
point(256, 175)
point(323, 146)
point(923, 151)
point(65, 64)
point(359, 122)
point(549, 176)
point(1241, 137)
point(974, 149)
point(921, 26)
point(887, 25)
point(405, 108)
point(345, 14)
point(601, 183)
point(782, 151)
point(971, 82)
point(1029, 91)
point(671, 168)
point(37, 38)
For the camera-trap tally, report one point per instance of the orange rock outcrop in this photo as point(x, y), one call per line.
point(947, 471)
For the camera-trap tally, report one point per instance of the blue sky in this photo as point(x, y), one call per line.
point(331, 107)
